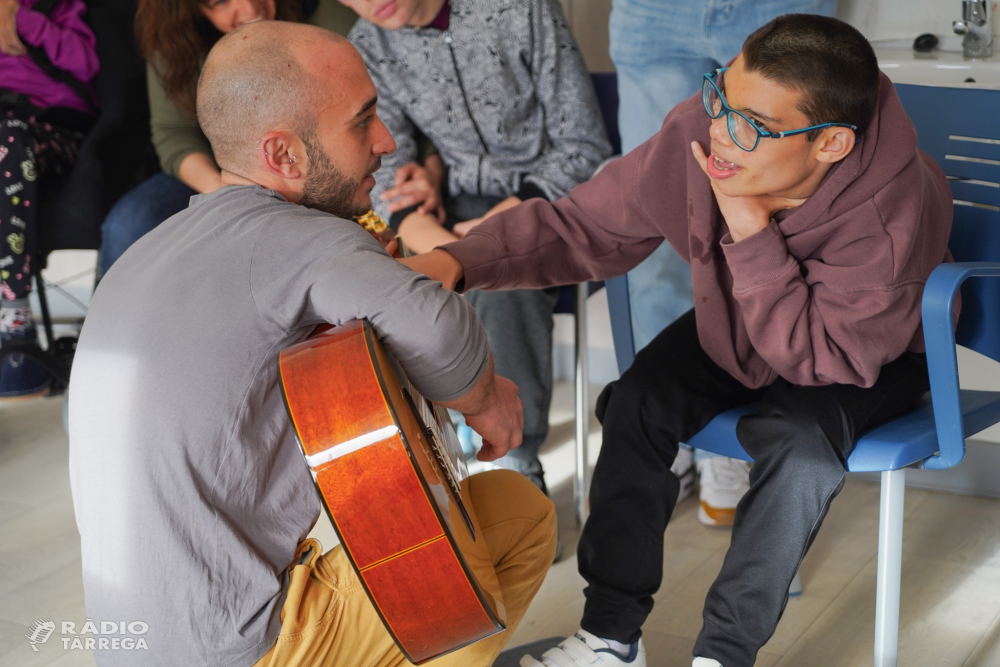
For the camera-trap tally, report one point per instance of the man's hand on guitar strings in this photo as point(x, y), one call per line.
point(502, 423)
point(493, 409)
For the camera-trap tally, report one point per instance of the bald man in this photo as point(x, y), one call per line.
point(192, 498)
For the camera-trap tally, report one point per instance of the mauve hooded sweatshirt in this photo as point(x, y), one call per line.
point(829, 292)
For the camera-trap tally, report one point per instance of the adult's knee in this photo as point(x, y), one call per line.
point(148, 204)
point(505, 495)
point(137, 213)
point(132, 216)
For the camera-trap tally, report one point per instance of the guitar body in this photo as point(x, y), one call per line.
point(391, 473)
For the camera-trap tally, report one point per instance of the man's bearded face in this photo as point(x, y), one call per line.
point(329, 189)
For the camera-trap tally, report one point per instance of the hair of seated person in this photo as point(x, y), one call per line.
point(174, 36)
point(828, 60)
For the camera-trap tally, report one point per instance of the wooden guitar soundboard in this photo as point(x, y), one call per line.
point(391, 473)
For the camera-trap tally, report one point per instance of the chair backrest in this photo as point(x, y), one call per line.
point(606, 86)
point(114, 157)
point(958, 127)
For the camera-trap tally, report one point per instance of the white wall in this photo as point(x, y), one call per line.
point(878, 20)
point(881, 20)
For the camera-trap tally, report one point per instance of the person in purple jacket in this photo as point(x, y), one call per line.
point(793, 186)
point(42, 120)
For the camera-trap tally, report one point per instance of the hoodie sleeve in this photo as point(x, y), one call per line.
point(835, 321)
point(573, 123)
point(602, 229)
point(64, 36)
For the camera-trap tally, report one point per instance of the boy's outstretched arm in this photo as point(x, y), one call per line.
point(439, 265)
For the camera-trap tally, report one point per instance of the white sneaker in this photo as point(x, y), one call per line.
point(705, 662)
point(683, 467)
point(585, 650)
point(723, 482)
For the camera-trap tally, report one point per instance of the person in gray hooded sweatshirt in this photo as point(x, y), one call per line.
point(794, 187)
point(502, 91)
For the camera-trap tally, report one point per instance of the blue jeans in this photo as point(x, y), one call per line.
point(140, 211)
point(661, 49)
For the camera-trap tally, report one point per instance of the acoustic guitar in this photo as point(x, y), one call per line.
point(391, 474)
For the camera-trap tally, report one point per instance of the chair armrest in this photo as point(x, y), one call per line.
point(942, 362)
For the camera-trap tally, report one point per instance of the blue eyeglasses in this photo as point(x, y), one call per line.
point(744, 132)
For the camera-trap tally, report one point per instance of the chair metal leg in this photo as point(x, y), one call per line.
point(582, 411)
point(890, 556)
point(795, 588)
point(46, 315)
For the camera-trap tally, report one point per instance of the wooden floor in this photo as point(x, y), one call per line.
point(951, 566)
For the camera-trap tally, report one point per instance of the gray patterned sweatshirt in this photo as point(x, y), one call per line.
point(503, 93)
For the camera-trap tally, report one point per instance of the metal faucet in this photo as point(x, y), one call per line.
point(977, 26)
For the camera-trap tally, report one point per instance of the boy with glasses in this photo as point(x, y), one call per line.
point(811, 222)
point(655, 75)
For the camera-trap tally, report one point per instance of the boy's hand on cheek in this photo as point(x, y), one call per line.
point(745, 216)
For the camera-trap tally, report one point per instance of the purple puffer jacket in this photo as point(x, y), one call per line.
point(68, 42)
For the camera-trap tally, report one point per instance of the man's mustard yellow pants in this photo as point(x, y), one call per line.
point(327, 619)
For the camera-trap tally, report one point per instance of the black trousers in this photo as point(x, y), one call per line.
point(799, 440)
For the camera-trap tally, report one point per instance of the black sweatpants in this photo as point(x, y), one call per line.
point(799, 440)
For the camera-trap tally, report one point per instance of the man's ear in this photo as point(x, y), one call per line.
point(278, 154)
point(834, 144)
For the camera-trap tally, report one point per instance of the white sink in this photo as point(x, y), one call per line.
point(945, 67)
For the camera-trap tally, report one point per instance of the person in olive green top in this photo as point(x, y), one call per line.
point(174, 37)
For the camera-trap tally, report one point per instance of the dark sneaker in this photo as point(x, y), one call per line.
point(21, 377)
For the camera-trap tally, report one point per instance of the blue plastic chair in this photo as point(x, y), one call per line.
point(573, 301)
point(965, 141)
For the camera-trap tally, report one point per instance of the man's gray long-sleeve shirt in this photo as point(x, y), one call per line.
point(190, 490)
point(503, 93)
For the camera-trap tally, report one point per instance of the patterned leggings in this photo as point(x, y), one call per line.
point(28, 149)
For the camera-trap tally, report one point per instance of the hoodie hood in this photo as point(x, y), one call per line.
point(880, 155)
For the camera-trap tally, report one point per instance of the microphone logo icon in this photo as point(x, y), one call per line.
point(39, 632)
